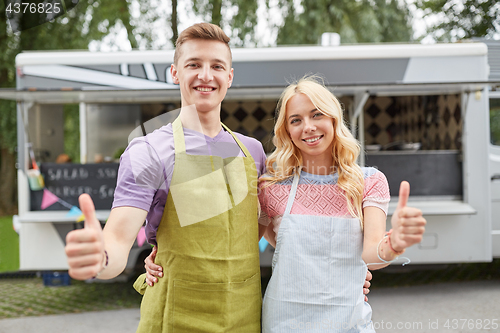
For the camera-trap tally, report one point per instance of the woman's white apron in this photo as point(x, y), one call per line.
point(318, 276)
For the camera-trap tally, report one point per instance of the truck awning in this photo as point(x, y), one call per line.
point(235, 93)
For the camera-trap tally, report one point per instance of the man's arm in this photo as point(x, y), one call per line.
point(86, 247)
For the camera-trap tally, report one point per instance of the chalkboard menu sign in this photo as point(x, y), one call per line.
point(68, 181)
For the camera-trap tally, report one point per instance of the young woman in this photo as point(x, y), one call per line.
point(326, 218)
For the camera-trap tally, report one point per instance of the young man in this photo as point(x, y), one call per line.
point(195, 182)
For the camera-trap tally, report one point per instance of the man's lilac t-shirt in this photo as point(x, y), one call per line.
point(147, 165)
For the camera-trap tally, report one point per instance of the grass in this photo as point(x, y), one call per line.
point(23, 297)
point(9, 246)
point(23, 294)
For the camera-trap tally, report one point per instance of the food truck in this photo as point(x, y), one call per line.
point(421, 113)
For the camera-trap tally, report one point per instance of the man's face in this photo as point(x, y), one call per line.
point(204, 73)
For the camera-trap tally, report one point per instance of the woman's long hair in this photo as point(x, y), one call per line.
point(286, 159)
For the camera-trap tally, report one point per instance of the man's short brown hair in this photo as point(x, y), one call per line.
point(205, 31)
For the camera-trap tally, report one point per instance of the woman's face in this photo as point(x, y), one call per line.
point(310, 130)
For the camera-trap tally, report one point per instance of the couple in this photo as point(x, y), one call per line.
point(199, 196)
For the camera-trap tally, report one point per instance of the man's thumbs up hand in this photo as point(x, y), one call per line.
point(85, 247)
point(408, 224)
point(88, 210)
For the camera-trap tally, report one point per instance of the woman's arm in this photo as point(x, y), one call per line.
point(264, 221)
point(374, 230)
point(153, 271)
point(408, 227)
point(270, 235)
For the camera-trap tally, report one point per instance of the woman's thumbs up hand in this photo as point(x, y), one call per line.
point(408, 223)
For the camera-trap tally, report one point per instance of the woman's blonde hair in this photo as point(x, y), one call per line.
point(286, 159)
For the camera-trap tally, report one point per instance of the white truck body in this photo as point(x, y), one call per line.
point(455, 175)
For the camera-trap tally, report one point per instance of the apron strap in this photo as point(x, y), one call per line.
point(293, 191)
point(179, 144)
point(240, 144)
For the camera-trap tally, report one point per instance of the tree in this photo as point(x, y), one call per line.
point(8, 157)
point(174, 22)
point(242, 21)
point(462, 19)
point(8, 135)
point(90, 20)
point(360, 21)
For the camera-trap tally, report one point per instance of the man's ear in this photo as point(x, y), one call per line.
point(231, 76)
point(173, 73)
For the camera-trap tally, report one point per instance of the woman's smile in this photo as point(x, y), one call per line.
point(313, 140)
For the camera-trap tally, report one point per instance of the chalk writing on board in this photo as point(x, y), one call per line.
point(69, 181)
point(77, 173)
point(106, 173)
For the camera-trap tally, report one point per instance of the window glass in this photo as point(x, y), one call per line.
point(495, 121)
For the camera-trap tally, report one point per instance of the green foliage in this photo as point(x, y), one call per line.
point(360, 21)
point(8, 134)
point(89, 20)
point(495, 121)
point(72, 132)
point(142, 25)
point(242, 22)
point(8, 52)
point(394, 20)
point(118, 153)
point(462, 19)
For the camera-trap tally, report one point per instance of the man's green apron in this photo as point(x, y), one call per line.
point(207, 246)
